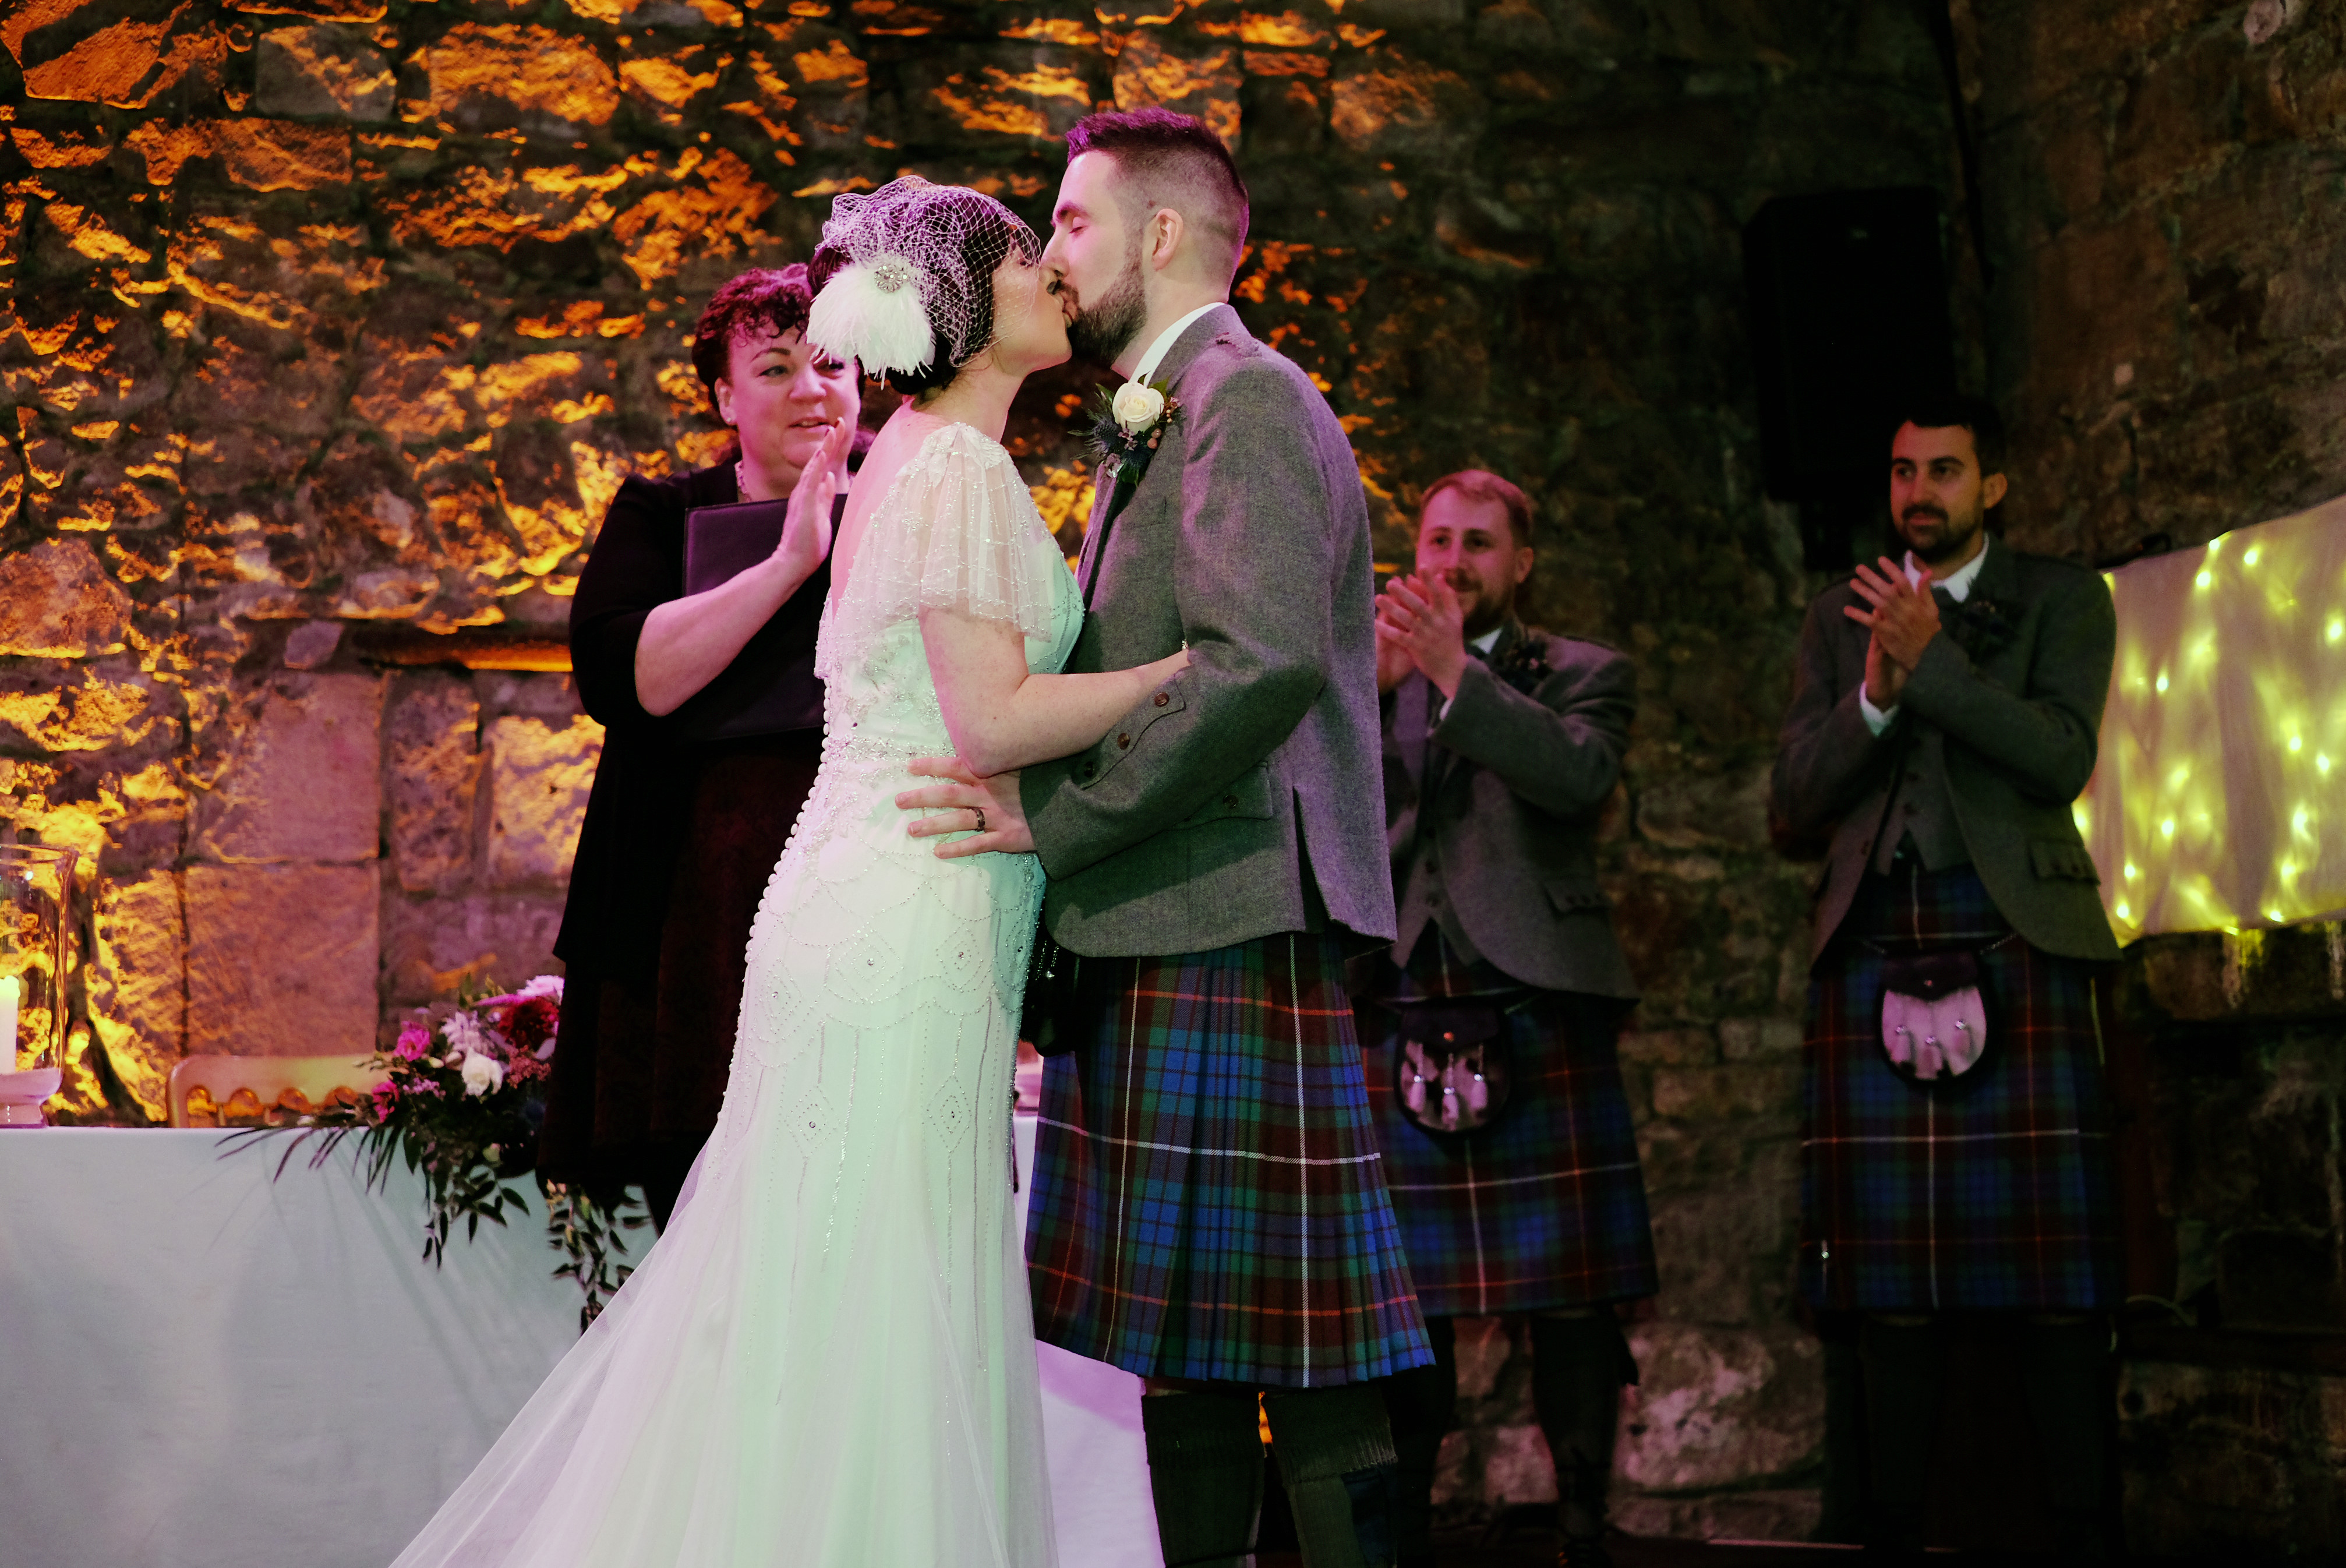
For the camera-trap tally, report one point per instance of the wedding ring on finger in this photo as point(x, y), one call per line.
point(980, 812)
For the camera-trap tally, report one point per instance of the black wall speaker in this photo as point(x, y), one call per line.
point(1847, 293)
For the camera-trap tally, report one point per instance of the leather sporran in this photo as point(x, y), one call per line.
point(1450, 1065)
point(1064, 992)
point(1934, 1015)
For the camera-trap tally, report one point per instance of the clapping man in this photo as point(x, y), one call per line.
point(1490, 1022)
point(1954, 1149)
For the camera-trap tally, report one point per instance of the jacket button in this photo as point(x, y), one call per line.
point(1123, 740)
point(1090, 768)
point(1162, 699)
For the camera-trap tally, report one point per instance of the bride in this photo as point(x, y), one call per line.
point(827, 1358)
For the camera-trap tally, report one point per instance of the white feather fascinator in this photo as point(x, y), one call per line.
point(920, 259)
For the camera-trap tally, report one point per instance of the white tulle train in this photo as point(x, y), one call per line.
point(828, 1359)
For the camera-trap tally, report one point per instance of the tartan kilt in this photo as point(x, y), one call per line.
point(1208, 1200)
point(1991, 1192)
point(1546, 1207)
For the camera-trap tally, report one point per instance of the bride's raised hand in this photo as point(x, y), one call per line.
point(806, 527)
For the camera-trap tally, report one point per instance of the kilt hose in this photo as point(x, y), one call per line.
point(1990, 1192)
point(1209, 1201)
point(1546, 1207)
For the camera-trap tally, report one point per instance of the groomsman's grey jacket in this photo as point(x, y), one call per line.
point(1241, 797)
point(1501, 849)
point(1992, 742)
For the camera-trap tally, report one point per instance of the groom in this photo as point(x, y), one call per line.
point(1209, 1210)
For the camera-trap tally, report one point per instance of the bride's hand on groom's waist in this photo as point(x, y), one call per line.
point(986, 808)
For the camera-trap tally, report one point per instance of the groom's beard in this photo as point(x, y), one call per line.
point(1104, 329)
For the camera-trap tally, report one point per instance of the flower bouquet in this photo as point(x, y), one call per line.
point(462, 1104)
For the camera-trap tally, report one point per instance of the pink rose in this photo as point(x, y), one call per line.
point(414, 1042)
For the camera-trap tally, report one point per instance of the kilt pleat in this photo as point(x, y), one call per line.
point(1208, 1198)
point(1544, 1208)
point(1991, 1192)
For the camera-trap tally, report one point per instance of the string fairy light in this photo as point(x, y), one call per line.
point(2219, 736)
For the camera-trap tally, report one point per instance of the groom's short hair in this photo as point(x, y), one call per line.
point(1172, 160)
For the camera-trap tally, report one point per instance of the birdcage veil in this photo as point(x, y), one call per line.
point(914, 274)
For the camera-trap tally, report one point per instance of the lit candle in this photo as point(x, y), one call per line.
point(12, 992)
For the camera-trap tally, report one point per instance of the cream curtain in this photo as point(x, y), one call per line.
point(2216, 804)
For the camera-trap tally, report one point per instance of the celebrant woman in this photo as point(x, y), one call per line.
point(713, 731)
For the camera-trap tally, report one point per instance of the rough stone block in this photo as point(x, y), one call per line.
point(432, 947)
point(138, 981)
point(1516, 1466)
point(1203, 82)
point(526, 79)
point(1720, 1407)
point(322, 72)
point(1725, 1253)
point(1718, 1094)
point(1404, 108)
point(57, 601)
point(1668, 1047)
point(539, 774)
point(432, 755)
point(1706, 811)
point(1771, 1514)
point(303, 776)
point(1745, 1039)
point(281, 959)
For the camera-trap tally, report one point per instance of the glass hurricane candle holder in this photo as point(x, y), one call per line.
point(36, 886)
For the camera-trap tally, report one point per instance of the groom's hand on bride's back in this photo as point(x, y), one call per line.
point(957, 799)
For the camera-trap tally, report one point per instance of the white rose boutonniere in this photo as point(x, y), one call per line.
point(1130, 424)
point(1136, 406)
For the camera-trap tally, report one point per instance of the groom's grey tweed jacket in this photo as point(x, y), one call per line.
point(1196, 820)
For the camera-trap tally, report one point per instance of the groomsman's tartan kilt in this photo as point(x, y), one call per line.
point(1988, 1193)
point(1545, 1207)
point(1208, 1200)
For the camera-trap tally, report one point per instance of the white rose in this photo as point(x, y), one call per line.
point(483, 1073)
point(1137, 406)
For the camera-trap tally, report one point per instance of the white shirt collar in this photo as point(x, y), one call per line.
point(1957, 583)
point(1490, 639)
point(1165, 342)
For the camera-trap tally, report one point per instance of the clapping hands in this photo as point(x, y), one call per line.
point(806, 529)
point(1421, 625)
point(1903, 618)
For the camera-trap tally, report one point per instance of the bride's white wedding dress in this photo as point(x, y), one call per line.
point(828, 1359)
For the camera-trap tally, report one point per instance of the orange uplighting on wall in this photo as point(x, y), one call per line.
point(2215, 804)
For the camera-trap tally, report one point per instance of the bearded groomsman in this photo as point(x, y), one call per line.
point(1490, 1024)
point(1954, 1147)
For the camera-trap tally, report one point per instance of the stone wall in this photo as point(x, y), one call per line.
point(330, 326)
point(2166, 186)
point(2168, 218)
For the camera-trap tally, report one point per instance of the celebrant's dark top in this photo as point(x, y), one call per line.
point(678, 840)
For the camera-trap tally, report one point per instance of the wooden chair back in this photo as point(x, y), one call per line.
point(265, 1091)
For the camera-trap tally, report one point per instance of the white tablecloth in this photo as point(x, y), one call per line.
point(207, 1369)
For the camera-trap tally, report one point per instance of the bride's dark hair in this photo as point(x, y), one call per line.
point(984, 233)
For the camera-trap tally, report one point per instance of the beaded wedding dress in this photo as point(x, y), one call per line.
point(828, 1359)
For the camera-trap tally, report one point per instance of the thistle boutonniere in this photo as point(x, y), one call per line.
point(1521, 661)
point(1128, 424)
point(1980, 624)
